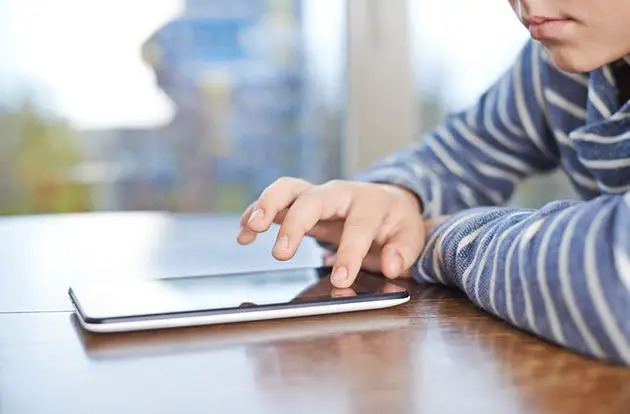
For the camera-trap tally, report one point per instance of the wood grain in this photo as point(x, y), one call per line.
point(436, 354)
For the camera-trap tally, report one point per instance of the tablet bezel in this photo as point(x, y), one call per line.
point(325, 304)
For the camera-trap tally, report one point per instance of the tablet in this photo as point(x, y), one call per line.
point(167, 303)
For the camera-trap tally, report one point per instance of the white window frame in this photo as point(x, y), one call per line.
point(382, 100)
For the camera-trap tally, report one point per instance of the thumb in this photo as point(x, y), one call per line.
point(401, 251)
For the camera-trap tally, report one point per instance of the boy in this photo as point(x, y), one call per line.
point(562, 271)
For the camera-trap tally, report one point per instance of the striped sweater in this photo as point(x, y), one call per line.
point(562, 271)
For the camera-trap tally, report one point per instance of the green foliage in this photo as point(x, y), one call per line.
point(37, 157)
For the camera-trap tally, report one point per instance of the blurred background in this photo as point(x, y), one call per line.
point(197, 105)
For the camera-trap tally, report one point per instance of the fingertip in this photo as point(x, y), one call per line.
point(393, 263)
point(245, 237)
point(279, 257)
point(239, 236)
point(341, 278)
point(282, 249)
point(388, 273)
point(340, 285)
point(257, 227)
point(282, 255)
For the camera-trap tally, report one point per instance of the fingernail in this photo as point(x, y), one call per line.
point(398, 262)
point(340, 275)
point(256, 215)
point(282, 243)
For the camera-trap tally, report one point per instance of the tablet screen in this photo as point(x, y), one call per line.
point(125, 299)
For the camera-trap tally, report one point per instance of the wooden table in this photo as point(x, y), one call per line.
point(436, 354)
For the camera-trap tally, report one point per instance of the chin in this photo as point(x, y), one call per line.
point(571, 60)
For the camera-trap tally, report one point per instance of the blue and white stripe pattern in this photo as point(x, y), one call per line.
point(562, 271)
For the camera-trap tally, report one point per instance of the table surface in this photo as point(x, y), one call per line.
point(436, 354)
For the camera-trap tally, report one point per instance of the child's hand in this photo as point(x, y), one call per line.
point(372, 261)
point(363, 219)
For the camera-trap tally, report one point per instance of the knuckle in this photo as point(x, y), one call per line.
point(290, 182)
point(302, 182)
point(266, 194)
point(359, 223)
point(319, 194)
point(278, 185)
point(337, 183)
point(274, 191)
point(284, 180)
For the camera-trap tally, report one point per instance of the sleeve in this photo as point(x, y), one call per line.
point(478, 156)
point(561, 272)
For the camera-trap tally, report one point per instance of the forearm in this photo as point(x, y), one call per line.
point(442, 189)
point(562, 272)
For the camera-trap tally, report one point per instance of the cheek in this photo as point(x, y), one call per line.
point(603, 35)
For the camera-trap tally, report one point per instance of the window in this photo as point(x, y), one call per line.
point(197, 105)
point(177, 105)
